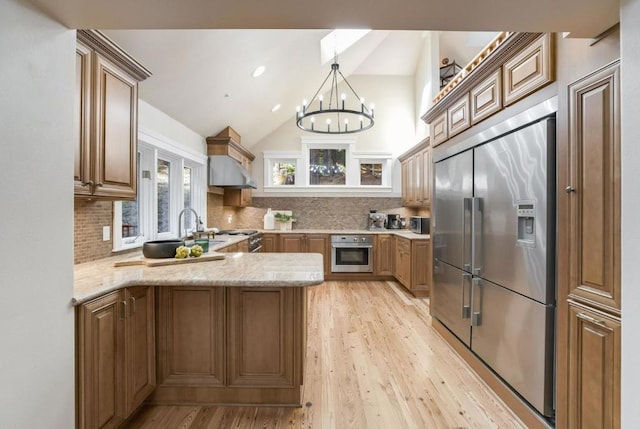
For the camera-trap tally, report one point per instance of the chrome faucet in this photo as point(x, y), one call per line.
point(180, 221)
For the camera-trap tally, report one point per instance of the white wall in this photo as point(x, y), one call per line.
point(427, 83)
point(37, 76)
point(394, 129)
point(156, 122)
point(630, 53)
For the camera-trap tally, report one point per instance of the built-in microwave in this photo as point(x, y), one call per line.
point(419, 224)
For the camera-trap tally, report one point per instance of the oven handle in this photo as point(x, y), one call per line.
point(256, 250)
point(351, 246)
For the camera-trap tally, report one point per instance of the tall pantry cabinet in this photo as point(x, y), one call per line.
point(106, 118)
point(594, 307)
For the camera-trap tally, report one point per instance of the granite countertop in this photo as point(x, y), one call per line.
point(92, 279)
point(401, 232)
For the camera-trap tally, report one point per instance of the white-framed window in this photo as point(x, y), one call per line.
point(170, 179)
point(326, 165)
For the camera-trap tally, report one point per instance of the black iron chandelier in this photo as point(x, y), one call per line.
point(335, 117)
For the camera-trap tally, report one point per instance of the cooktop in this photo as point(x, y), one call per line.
point(237, 232)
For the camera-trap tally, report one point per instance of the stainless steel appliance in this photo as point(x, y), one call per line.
point(393, 221)
point(351, 254)
point(255, 237)
point(419, 224)
point(377, 221)
point(494, 241)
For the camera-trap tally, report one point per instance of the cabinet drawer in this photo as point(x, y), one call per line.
point(439, 132)
point(486, 97)
point(458, 116)
point(528, 71)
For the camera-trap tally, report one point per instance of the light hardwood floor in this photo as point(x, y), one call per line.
point(373, 361)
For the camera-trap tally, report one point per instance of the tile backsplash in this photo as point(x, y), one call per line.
point(309, 212)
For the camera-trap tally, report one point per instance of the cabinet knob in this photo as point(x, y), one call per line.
point(99, 185)
point(89, 183)
point(569, 189)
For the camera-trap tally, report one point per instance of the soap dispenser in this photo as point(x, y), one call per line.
point(269, 220)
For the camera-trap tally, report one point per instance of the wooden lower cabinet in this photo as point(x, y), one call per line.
point(269, 242)
point(413, 265)
point(307, 243)
point(384, 255)
point(233, 345)
point(115, 356)
point(594, 369)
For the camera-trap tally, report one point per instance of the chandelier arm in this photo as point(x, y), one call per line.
point(320, 89)
point(352, 90)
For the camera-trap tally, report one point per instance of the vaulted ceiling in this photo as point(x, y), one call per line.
point(202, 53)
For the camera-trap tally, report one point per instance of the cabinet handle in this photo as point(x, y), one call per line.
point(89, 183)
point(124, 310)
point(569, 189)
point(590, 319)
point(133, 305)
point(99, 185)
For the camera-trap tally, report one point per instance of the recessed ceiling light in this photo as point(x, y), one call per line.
point(275, 108)
point(258, 71)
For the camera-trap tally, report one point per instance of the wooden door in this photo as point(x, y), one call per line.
point(141, 345)
point(115, 132)
point(594, 369)
point(82, 121)
point(594, 191)
point(384, 255)
point(292, 243)
point(101, 362)
point(420, 267)
point(191, 340)
point(319, 243)
point(269, 242)
point(263, 350)
point(403, 261)
point(425, 179)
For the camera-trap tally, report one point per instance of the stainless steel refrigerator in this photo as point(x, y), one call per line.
point(494, 259)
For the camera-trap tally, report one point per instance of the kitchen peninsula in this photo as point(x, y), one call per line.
point(230, 331)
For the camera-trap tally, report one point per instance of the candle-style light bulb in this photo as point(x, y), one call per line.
point(344, 97)
point(304, 106)
point(346, 124)
point(298, 111)
point(361, 119)
point(313, 122)
point(328, 125)
point(372, 107)
point(362, 104)
point(320, 98)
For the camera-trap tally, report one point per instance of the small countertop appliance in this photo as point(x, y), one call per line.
point(393, 221)
point(377, 221)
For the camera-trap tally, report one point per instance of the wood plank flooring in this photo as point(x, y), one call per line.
point(373, 361)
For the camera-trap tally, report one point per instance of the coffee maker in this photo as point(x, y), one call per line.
point(377, 221)
point(393, 221)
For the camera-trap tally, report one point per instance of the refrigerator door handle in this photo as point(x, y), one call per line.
point(476, 302)
point(466, 296)
point(467, 219)
point(476, 228)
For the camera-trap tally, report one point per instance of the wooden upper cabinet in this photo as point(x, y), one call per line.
point(458, 118)
point(416, 175)
point(82, 109)
point(424, 196)
point(439, 130)
point(594, 190)
point(106, 118)
point(529, 70)
point(594, 369)
point(116, 131)
point(486, 97)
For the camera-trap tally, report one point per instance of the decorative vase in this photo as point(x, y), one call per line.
point(269, 220)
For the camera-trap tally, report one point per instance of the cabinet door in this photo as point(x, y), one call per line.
point(262, 337)
point(115, 134)
point(82, 110)
point(439, 130)
point(425, 179)
point(319, 243)
point(101, 362)
point(292, 243)
point(420, 267)
point(191, 341)
point(384, 255)
point(594, 369)
point(411, 183)
point(458, 118)
point(141, 346)
point(529, 70)
point(403, 261)
point(594, 213)
point(269, 242)
point(404, 169)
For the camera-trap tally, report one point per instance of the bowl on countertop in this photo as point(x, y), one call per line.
point(158, 249)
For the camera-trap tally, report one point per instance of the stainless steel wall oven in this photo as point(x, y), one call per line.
point(351, 254)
